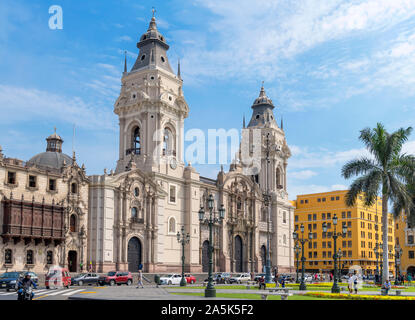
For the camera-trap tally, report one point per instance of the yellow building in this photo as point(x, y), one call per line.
point(405, 234)
point(363, 232)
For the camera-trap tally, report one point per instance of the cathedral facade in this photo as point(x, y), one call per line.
point(129, 218)
point(136, 211)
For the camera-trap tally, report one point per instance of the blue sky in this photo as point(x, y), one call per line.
point(331, 68)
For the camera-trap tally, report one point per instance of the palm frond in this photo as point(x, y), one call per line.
point(357, 167)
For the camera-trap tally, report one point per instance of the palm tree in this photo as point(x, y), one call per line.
point(387, 172)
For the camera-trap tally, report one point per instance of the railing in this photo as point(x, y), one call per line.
point(133, 151)
point(136, 220)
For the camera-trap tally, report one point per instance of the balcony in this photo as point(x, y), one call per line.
point(136, 220)
point(135, 151)
point(26, 220)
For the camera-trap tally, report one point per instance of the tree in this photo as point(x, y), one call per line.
point(387, 172)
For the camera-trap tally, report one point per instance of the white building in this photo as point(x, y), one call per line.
point(136, 212)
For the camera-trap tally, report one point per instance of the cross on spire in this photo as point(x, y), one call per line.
point(154, 11)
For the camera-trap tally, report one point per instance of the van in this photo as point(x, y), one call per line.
point(58, 277)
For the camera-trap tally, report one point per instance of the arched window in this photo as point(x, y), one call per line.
point(49, 257)
point(172, 225)
point(239, 204)
point(74, 188)
point(134, 212)
point(136, 147)
point(136, 192)
point(264, 214)
point(169, 143)
point(72, 223)
point(8, 256)
point(29, 257)
point(284, 217)
point(278, 178)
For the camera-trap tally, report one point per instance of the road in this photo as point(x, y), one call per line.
point(52, 294)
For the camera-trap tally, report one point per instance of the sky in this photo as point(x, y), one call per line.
point(331, 68)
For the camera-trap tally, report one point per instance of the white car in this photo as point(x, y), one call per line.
point(173, 278)
point(239, 278)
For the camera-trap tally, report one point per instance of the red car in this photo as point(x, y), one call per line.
point(116, 278)
point(53, 278)
point(189, 278)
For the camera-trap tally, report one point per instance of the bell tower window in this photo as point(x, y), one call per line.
point(169, 147)
point(136, 142)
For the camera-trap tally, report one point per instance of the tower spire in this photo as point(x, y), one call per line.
point(125, 61)
point(243, 122)
point(178, 69)
point(282, 123)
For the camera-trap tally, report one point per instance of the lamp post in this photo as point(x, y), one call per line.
point(335, 288)
point(183, 238)
point(398, 254)
point(210, 290)
point(339, 255)
point(302, 241)
point(297, 250)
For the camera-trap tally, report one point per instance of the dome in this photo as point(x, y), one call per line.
point(50, 159)
point(263, 99)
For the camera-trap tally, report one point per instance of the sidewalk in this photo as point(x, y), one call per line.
point(132, 293)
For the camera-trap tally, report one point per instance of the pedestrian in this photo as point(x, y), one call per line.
point(140, 279)
point(387, 285)
point(354, 279)
point(261, 282)
point(350, 284)
point(409, 278)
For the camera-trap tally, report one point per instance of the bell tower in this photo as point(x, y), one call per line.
point(262, 125)
point(151, 108)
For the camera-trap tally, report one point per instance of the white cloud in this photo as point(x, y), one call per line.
point(24, 104)
point(252, 39)
point(124, 38)
point(302, 175)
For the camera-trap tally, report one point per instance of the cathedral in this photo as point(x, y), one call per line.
point(129, 218)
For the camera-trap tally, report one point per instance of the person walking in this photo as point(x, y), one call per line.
point(140, 279)
point(354, 279)
point(350, 284)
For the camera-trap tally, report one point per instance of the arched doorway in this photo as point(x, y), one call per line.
point(238, 254)
point(72, 258)
point(263, 257)
point(205, 256)
point(411, 271)
point(134, 254)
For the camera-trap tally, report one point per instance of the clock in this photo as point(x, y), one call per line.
point(173, 163)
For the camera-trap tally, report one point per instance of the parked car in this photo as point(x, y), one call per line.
point(172, 278)
point(57, 277)
point(286, 277)
point(259, 275)
point(190, 279)
point(116, 278)
point(240, 278)
point(85, 278)
point(8, 280)
point(220, 277)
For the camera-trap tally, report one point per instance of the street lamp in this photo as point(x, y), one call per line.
point(210, 290)
point(340, 255)
point(297, 250)
point(398, 255)
point(335, 288)
point(302, 241)
point(183, 238)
